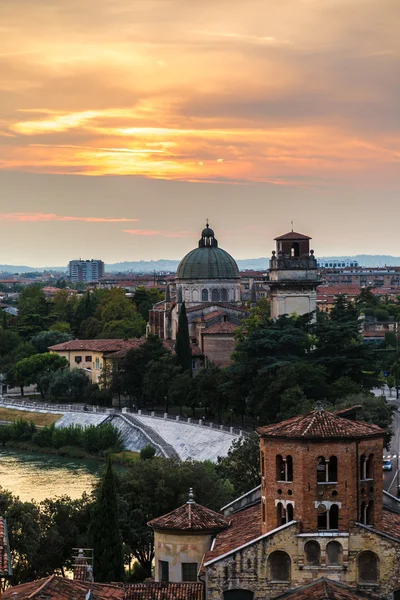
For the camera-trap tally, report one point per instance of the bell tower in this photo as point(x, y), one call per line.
point(293, 276)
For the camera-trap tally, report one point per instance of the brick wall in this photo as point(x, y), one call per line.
point(219, 348)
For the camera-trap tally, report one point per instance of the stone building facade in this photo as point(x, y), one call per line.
point(316, 522)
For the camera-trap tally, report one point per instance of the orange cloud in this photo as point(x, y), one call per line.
point(150, 232)
point(36, 217)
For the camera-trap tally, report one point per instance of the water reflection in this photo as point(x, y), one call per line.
point(39, 476)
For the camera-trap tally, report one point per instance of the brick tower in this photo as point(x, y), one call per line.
point(293, 276)
point(323, 471)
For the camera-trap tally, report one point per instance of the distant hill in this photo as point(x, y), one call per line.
point(257, 264)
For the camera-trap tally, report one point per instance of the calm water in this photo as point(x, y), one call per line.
point(39, 476)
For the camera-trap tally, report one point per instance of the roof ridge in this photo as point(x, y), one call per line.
point(42, 587)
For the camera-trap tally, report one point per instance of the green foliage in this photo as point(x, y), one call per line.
point(105, 533)
point(44, 339)
point(64, 383)
point(182, 344)
point(148, 452)
point(374, 409)
point(94, 440)
point(33, 311)
point(32, 370)
point(242, 464)
point(123, 328)
point(145, 298)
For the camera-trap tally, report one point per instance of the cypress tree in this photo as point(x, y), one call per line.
point(105, 533)
point(182, 345)
point(4, 322)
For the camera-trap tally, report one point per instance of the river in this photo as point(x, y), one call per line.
point(38, 476)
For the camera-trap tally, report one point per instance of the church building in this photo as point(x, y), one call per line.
point(315, 528)
point(208, 281)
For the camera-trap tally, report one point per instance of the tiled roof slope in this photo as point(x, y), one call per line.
point(222, 327)
point(60, 588)
point(5, 565)
point(293, 235)
point(390, 523)
point(245, 526)
point(165, 591)
point(191, 517)
point(320, 424)
point(324, 589)
point(98, 345)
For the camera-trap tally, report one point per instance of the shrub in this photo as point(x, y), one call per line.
point(148, 452)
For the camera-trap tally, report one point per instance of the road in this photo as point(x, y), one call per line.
point(391, 479)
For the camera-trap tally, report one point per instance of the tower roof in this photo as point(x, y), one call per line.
point(320, 424)
point(293, 235)
point(191, 517)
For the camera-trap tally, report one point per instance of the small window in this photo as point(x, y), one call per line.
point(322, 470)
point(313, 553)
point(215, 295)
point(284, 468)
point(334, 517)
point(334, 552)
point(189, 571)
point(369, 513)
point(163, 567)
point(289, 512)
point(263, 512)
point(224, 295)
point(98, 364)
point(193, 363)
point(204, 295)
point(238, 595)
point(332, 469)
point(78, 359)
point(279, 566)
point(88, 358)
point(367, 567)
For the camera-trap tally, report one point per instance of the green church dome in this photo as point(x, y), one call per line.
point(207, 261)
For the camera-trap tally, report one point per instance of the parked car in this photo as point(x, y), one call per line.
point(387, 465)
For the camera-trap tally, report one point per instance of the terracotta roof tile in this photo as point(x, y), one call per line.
point(98, 345)
point(191, 517)
point(60, 588)
point(390, 523)
point(201, 305)
point(320, 424)
point(245, 526)
point(222, 327)
point(324, 589)
point(212, 315)
point(5, 564)
point(293, 235)
point(165, 591)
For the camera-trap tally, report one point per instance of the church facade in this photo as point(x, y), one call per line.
point(315, 528)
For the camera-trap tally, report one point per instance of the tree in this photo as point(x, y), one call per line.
point(182, 344)
point(145, 298)
point(31, 370)
point(159, 377)
point(105, 532)
point(73, 384)
point(242, 464)
point(123, 328)
point(44, 339)
point(33, 311)
point(374, 409)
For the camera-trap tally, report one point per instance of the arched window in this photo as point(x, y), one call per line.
point(289, 468)
point(332, 469)
point(363, 516)
point(363, 467)
point(204, 295)
point(280, 514)
point(279, 566)
point(369, 467)
point(367, 567)
point(322, 517)
point(284, 468)
point(215, 295)
point(334, 553)
point(313, 553)
point(224, 295)
point(238, 595)
point(295, 249)
point(289, 513)
point(322, 470)
point(333, 517)
point(369, 513)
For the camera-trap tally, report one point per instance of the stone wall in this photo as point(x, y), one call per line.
point(176, 549)
point(218, 348)
point(248, 568)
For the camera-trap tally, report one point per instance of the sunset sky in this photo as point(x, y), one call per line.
point(125, 123)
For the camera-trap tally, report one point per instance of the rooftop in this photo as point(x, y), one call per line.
point(98, 345)
point(320, 424)
point(165, 591)
point(292, 235)
point(324, 589)
point(221, 327)
point(191, 517)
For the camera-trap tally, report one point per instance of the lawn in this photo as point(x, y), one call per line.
point(40, 419)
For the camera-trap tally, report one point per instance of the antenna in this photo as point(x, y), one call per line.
point(82, 564)
point(292, 224)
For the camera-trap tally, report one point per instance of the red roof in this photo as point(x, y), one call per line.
point(165, 591)
point(390, 523)
point(98, 345)
point(5, 566)
point(320, 424)
point(191, 517)
point(245, 527)
point(221, 327)
point(293, 235)
point(324, 589)
point(60, 588)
